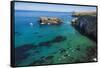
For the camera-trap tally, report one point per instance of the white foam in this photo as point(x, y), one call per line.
point(31, 24)
point(48, 23)
point(42, 23)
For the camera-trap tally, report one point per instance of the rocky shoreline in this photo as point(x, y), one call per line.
point(86, 24)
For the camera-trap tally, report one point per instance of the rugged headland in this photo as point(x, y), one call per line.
point(86, 24)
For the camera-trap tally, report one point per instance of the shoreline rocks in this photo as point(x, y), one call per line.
point(86, 25)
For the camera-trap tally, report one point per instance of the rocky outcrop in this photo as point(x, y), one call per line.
point(51, 20)
point(86, 25)
point(75, 14)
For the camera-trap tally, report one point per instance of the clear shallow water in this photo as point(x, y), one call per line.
point(74, 48)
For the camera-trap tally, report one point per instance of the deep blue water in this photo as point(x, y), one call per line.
point(27, 34)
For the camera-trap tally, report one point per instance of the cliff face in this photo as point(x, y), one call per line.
point(86, 25)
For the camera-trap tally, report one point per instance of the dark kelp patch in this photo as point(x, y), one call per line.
point(49, 43)
point(25, 48)
point(20, 56)
point(58, 39)
point(21, 52)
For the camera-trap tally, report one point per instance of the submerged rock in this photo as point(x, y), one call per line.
point(21, 52)
point(43, 60)
point(19, 57)
point(47, 44)
point(78, 49)
point(25, 47)
point(58, 39)
point(62, 50)
point(49, 57)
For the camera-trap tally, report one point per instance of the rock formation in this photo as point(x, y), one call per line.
point(51, 20)
point(86, 25)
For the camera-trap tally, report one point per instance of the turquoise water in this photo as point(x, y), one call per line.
point(72, 48)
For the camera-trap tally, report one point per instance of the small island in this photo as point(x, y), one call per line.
point(50, 20)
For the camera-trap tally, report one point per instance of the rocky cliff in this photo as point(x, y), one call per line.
point(86, 25)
